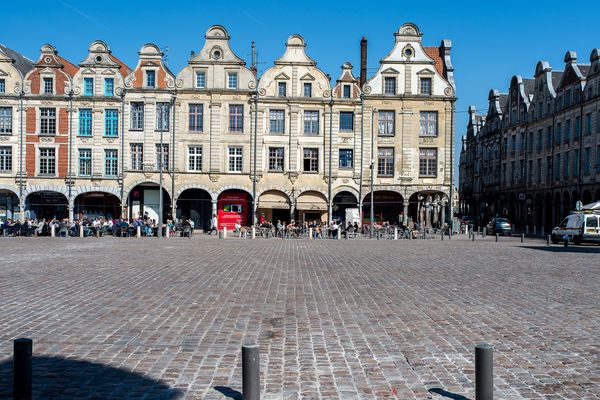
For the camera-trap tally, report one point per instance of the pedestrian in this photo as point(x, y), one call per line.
point(213, 225)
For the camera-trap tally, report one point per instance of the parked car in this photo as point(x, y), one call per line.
point(499, 225)
point(578, 228)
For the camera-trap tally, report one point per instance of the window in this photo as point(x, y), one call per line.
point(540, 138)
point(566, 167)
point(346, 89)
point(162, 156)
point(196, 117)
point(85, 122)
point(588, 123)
point(281, 89)
point(150, 79)
point(557, 167)
point(2, 86)
point(85, 162)
point(47, 121)
point(195, 158)
point(109, 86)
point(236, 118)
point(539, 170)
point(137, 116)
point(389, 85)
point(232, 81)
point(577, 128)
point(428, 162)
point(277, 121)
point(346, 121)
point(111, 122)
point(111, 163)
point(568, 98)
point(311, 122)
point(311, 160)
point(522, 140)
point(276, 157)
point(47, 161)
point(385, 161)
point(513, 172)
point(549, 137)
point(386, 123)
point(558, 133)
point(5, 119)
point(567, 131)
point(5, 159)
point(48, 85)
point(426, 86)
point(548, 167)
point(598, 159)
point(88, 86)
point(137, 156)
point(346, 158)
point(307, 89)
point(200, 79)
point(163, 112)
point(235, 159)
point(576, 164)
point(587, 152)
point(428, 120)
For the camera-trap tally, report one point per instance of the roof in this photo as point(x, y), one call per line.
point(69, 68)
point(22, 63)
point(434, 53)
point(556, 76)
point(585, 69)
point(124, 70)
point(503, 102)
point(529, 86)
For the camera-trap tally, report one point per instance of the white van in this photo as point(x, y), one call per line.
point(580, 227)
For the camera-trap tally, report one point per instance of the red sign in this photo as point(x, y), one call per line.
point(232, 208)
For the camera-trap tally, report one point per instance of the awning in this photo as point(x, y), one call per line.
point(311, 202)
point(592, 206)
point(276, 200)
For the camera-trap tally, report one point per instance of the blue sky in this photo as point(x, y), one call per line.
point(492, 40)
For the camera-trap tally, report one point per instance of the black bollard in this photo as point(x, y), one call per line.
point(484, 372)
point(473, 237)
point(548, 240)
point(22, 369)
point(497, 236)
point(250, 372)
point(484, 234)
point(442, 236)
point(522, 237)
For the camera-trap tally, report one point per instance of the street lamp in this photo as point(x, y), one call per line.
point(21, 89)
point(254, 201)
point(330, 200)
point(71, 91)
point(372, 211)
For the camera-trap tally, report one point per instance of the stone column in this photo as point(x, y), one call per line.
point(405, 218)
point(9, 206)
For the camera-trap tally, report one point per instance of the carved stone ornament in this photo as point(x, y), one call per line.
point(214, 177)
point(408, 30)
point(448, 91)
point(47, 139)
point(3, 138)
point(111, 140)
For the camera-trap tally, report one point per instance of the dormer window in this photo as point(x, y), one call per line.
point(232, 80)
point(346, 90)
point(2, 86)
point(200, 80)
point(88, 86)
point(151, 79)
point(426, 86)
point(307, 89)
point(109, 86)
point(48, 85)
point(281, 89)
point(389, 85)
point(568, 98)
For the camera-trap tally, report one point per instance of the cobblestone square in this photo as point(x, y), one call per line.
point(357, 319)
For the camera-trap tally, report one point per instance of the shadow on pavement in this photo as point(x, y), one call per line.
point(447, 394)
point(229, 392)
point(55, 377)
point(582, 249)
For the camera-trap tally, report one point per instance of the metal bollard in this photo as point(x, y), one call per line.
point(224, 232)
point(81, 230)
point(310, 233)
point(522, 237)
point(442, 236)
point(22, 369)
point(250, 372)
point(497, 237)
point(395, 233)
point(542, 231)
point(527, 229)
point(220, 233)
point(548, 240)
point(139, 232)
point(534, 230)
point(484, 372)
point(484, 232)
point(473, 238)
point(53, 231)
point(253, 232)
point(97, 233)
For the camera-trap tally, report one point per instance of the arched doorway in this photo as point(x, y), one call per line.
point(144, 201)
point(557, 209)
point(46, 204)
point(97, 204)
point(388, 207)
point(341, 202)
point(566, 204)
point(195, 204)
point(548, 212)
point(311, 205)
point(9, 205)
point(273, 206)
point(233, 206)
point(587, 197)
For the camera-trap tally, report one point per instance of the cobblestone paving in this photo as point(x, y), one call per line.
point(358, 319)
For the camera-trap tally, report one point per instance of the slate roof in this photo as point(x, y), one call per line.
point(22, 63)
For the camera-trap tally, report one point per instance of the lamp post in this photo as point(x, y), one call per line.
point(71, 91)
point(372, 211)
point(161, 119)
point(21, 90)
point(121, 93)
point(362, 142)
point(420, 217)
point(330, 200)
point(172, 150)
point(254, 202)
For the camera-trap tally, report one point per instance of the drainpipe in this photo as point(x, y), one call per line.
point(362, 142)
point(122, 95)
point(173, 201)
point(70, 176)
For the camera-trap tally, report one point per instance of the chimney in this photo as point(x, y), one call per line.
point(253, 66)
point(363, 61)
